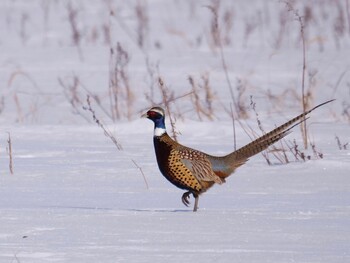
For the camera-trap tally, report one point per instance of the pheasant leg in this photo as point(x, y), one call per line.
point(185, 198)
point(196, 198)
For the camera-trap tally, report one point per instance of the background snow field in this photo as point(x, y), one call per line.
point(74, 197)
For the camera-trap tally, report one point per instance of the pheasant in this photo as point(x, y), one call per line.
point(196, 171)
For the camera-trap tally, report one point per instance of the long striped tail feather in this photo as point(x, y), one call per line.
point(240, 156)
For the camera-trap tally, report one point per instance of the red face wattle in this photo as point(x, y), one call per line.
point(153, 115)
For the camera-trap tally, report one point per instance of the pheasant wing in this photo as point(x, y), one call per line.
point(199, 165)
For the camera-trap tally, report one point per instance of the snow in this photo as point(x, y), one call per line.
point(74, 197)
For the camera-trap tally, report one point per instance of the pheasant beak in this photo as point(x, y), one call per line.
point(145, 115)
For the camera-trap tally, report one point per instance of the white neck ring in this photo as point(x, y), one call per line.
point(159, 131)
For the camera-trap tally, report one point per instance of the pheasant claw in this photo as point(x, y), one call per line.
point(185, 198)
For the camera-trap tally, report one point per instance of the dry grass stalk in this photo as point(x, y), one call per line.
point(339, 24)
point(121, 95)
point(241, 88)
point(233, 128)
point(216, 35)
point(346, 111)
point(283, 153)
point(23, 31)
point(253, 106)
point(9, 151)
point(141, 171)
point(2, 104)
point(265, 154)
point(346, 106)
point(207, 109)
point(251, 24)
point(152, 69)
point(172, 99)
point(214, 24)
point(228, 17)
point(106, 32)
point(339, 81)
point(299, 155)
point(15, 94)
point(341, 146)
point(282, 29)
point(294, 149)
point(142, 23)
point(166, 102)
point(18, 108)
point(70, 91)
point(111, 136)
point(316, 152)
point(76, 35)
point(196, 99)
point(209, 95)
point(300, 20)
point(100, 124)
point(347, 10)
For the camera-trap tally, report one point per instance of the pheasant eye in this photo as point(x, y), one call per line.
point(151, 113)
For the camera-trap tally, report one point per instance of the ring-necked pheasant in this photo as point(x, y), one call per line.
point(195, 171)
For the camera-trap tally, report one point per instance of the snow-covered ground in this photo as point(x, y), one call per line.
point(74, 197)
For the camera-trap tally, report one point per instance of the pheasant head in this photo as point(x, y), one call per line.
point(157, 115)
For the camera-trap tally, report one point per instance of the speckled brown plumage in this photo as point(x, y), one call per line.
point(195, 171)
point(186, 168)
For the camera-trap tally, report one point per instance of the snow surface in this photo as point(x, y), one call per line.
point(74, 197)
